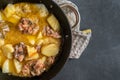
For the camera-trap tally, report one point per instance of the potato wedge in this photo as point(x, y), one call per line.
point(42, 10)
point(8, 51)
point(53, 22)
point(5, 67)
point(31, 51)
point(18, 65)
point(9, 10)
point(1, 42)
point(50, 50)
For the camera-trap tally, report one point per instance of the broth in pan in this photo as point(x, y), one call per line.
point(29, 39)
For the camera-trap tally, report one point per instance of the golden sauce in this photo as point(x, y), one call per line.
point(15, 36)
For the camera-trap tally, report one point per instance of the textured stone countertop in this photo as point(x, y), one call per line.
point(101, 59)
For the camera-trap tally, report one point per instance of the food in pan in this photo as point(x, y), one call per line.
point(29, 39)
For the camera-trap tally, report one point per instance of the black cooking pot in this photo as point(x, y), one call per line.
point(66, 40)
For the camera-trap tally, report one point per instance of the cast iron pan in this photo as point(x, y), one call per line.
point(66, 40)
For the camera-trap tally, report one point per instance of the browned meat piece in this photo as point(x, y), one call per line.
point(33, 68)
point(20, 51)
point(28, 27)
point(47, 31)
point(26, 70)
point(38, 68)
point(50, 61)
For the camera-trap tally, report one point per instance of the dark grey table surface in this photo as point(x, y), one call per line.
point(101, 59)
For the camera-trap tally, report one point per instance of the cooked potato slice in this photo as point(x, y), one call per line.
point(53, 22)
point(5, 67)
point(8, 50)
point(34, 56)
point(1, 42)
point(42, 10)
point(31, 51)
point(50, 50)
point(18, 65)
point(9, 10)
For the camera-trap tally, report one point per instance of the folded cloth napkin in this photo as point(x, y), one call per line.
point(80, 39)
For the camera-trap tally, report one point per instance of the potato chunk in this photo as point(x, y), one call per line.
point(2, 58)
point(5, 67)
point(1, 42)
point(18, 65)
point(43, 59)
point(1, 16)
point(31, 51)
point(8, 50)
point(53, 22)
point(50, 50)
point(42, 10)
point(47, 40)
point(53, 40)
point(9, 10)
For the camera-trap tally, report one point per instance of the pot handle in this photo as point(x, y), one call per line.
point(75, 11)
